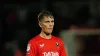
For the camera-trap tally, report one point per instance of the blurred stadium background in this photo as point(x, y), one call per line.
point(76, 22)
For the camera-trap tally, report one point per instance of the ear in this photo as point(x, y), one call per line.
point(40, 24)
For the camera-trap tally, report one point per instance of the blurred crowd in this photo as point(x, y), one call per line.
point(18, 22)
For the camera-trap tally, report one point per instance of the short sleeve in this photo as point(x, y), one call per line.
point(62, 49)
point(31, 49)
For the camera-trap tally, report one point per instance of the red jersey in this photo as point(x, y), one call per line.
point(39, 46)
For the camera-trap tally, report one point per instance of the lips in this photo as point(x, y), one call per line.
point(50, 28)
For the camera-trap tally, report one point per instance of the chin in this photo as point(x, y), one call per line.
point(48, 32)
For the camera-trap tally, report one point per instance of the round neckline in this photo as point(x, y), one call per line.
point(45, 38)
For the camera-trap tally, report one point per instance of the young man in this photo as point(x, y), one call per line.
point(45, 44)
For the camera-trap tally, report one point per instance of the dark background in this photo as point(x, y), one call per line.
point(18, 21)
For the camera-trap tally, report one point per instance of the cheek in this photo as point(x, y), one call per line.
point(44, 26)
point(53, 24)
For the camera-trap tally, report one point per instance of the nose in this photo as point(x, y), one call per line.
point(51, 24)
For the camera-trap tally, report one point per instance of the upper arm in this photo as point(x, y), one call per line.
point(62, 50)
point(31, 49)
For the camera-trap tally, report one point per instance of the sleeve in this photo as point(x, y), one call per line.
point(31, 49)
point(62, 50)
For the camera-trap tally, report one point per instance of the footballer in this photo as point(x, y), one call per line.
point(45, 44)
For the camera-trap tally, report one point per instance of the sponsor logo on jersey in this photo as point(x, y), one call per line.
point(50, 54)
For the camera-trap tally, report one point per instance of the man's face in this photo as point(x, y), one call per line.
point(47, 24)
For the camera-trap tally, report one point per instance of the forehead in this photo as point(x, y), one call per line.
point(48, 18)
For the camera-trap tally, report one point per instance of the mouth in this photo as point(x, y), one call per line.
point(50, 28)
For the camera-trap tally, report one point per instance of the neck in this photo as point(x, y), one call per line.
point(45, 35)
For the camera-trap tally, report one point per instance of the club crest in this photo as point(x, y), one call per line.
point(57, 44)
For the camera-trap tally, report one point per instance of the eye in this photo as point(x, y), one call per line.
point(46, 21)
point(52, 21)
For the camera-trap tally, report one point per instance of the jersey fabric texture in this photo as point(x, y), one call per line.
point(39, 46)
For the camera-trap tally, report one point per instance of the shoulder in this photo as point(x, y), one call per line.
point(58, 38)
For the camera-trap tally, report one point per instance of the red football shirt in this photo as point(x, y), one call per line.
point(39, 46)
